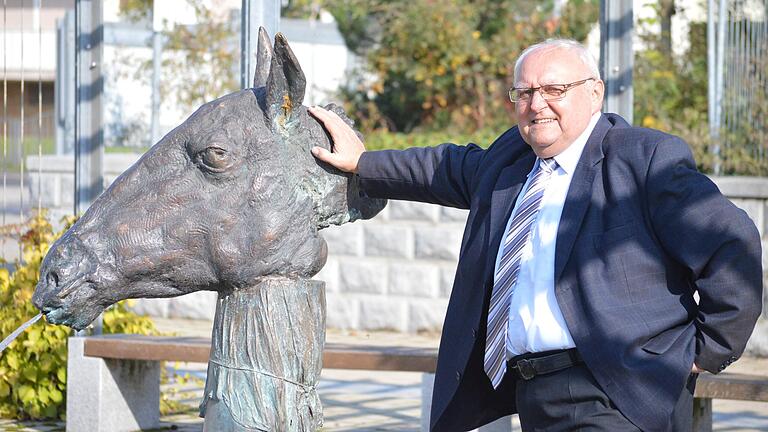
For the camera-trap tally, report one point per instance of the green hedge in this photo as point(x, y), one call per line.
point(381, 140)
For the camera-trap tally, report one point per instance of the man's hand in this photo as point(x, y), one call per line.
point(347, 147)
point(696, 369)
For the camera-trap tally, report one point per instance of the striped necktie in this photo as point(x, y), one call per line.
point(509, 266)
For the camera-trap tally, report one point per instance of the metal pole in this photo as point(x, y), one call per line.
point(5, 116)
point(39, 106)
point(711, 82)
point(722, 13)
point(58, 96)
point(89, 135)
point(156, 63)
point(255, 13)
point(616, 56)
point(157, 52)
point(68, 86)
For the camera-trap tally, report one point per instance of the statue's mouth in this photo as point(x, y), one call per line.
point(55, 316)
point(58, 302)
point(61, 316)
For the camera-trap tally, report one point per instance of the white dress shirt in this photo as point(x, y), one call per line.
point(535, 320)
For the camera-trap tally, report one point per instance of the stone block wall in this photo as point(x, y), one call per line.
point(392, 272)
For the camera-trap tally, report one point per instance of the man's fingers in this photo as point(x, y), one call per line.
point(322, 154)
point(342, 162)
point(332, 122)
point(329, 119)
point(347, 146)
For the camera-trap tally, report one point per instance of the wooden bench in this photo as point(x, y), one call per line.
point(192, 349)
point(153, 349)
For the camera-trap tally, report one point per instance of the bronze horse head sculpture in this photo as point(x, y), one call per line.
point(228, 197)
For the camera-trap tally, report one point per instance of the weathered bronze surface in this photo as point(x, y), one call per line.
point(229, 201)
point(279, 353)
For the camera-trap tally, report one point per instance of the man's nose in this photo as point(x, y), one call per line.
point(537, 101)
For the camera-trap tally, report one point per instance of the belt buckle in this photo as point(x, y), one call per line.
point(525, 369)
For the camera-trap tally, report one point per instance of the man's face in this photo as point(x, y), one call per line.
point(549, 127)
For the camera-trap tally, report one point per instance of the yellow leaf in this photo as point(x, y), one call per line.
point(30, 373)
point(649, 122)
point(5, 279)
point(26, 393)
point(43, 395)
point(13, 360)
point(33, 335)
point(46, 362)
point(56, 395)
point(61, 374)
point(5, 389)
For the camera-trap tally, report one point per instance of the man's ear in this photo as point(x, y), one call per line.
point(597, 94)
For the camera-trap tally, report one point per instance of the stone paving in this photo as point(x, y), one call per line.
point(368, 401)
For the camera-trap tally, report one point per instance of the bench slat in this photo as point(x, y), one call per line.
point(732, 386)
point(338, 356)
point(370, 357)
point(190, 349)
point(156, 348)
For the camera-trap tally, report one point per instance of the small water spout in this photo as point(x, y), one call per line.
point(7, 341)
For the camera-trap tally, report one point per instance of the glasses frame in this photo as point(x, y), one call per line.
point(531, 90)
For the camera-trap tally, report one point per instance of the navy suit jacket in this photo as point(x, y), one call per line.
point(640, 232)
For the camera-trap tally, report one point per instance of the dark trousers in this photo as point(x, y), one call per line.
point(572, 400)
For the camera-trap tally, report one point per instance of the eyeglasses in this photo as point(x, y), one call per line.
point(549, 92)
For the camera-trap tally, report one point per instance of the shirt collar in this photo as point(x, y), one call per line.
point(569, 158)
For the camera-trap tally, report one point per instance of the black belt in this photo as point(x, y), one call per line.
point(528, 366)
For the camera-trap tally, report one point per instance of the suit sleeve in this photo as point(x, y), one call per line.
point(719, 245)
point(443, 175)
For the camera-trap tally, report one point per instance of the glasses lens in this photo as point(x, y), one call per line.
point(519, 94)
point(553, 91)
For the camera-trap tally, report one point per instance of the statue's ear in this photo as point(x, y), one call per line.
point(285, 84)
point(263, 59)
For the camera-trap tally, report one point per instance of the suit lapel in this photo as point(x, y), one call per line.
point(510, 181)
point(579, 195)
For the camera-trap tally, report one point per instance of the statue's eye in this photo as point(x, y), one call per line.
point(214, 158)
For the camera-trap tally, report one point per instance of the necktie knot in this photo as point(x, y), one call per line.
point(549, 165)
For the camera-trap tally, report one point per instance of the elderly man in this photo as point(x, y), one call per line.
point(586, 242)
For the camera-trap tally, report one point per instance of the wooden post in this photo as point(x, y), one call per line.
point(702, 415)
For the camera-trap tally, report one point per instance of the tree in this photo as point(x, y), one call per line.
point(440, 63)
point(199, 62)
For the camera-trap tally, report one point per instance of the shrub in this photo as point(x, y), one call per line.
point(381, 140)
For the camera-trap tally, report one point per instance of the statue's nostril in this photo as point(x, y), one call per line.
point(53, 279)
